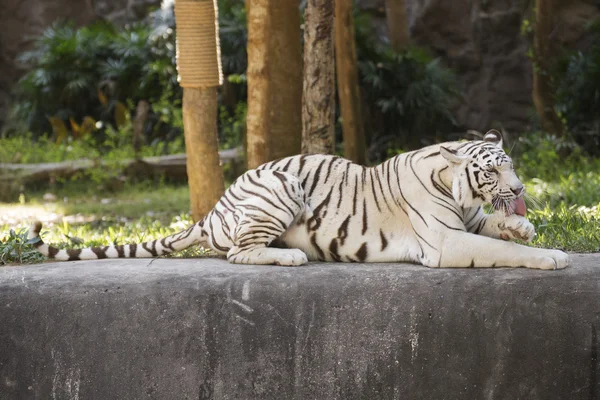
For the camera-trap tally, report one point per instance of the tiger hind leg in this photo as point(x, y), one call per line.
point(264, 216)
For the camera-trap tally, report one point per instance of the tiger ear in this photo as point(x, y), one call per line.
point(452, 156)
point(494, 137)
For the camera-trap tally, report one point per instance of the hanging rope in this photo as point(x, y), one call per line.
point(198, 50)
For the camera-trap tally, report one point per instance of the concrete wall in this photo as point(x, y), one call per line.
point(204, 329)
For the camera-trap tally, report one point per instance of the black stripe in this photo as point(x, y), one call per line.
point(374, 191)
point(315, 221)
point(313, 241)
point(329, 168)
point(287, 165)
point(362, 252)
point(355, 195)
point(383, 191)
point(74, 254)
point(446, 225)
point(343, 230)
point(132, 249)
point(364, 220)
point(384, 241)
point(302, 163)
point(149, 249)
point(99, 252)
point(52, 251)
point(333, 250)
point(316, 177)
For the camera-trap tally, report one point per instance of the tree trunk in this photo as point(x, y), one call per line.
point(318, 100)
point(172, 167)
point(205, 176)
point(397, 22)
point(543, 56)
point(200, 73)
point(274, 122)
point(257, 118)
point(347, 83)
point(139, 121)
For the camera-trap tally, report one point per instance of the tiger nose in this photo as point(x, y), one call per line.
point(517, 190)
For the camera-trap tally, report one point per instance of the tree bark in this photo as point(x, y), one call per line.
point(274, 123)
point(199, 74)
point(347, 83)
point(318, 100)
point(397, 22)
point(139, 121)
point(205, 176)
point(543, 56)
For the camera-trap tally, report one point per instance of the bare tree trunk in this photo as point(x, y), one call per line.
point(543, 56)
point(139, 121)
point(274, 80)
point(259, 88)
point(205, 176)
point(318, 100)
point(286, 79)
point(347, 83)
point(397, 22)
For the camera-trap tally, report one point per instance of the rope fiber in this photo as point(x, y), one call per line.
point(198, 48)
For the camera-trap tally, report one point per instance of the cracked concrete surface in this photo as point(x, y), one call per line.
point(205, 329)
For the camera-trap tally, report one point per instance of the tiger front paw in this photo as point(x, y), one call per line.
point(516, 227)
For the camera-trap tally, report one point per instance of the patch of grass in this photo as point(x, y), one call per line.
point(572, 228)
point(16, 248)
point(91, 217)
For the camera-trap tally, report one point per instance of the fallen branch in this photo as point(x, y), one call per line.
point(171, 166)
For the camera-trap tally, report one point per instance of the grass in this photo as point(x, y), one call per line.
point(138, 213)
point(566, 213)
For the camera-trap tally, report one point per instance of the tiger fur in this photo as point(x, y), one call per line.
point(421, 207)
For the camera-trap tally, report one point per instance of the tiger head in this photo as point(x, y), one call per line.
point(483, 173)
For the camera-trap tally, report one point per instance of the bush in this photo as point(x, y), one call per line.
point(99, 73)
point(577, 80)
point(408, 95)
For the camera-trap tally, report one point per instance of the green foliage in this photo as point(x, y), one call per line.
point(92, 72)
point(113, 145)
point(232, 125)
point(64, 76)
point(408, 94)
point(101, 72)
point(547, 157)
point(577, 80)
point(16, 248)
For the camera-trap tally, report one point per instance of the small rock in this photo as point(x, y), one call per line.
point(49, 198)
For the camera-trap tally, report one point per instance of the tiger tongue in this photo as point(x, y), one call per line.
point(518, 207)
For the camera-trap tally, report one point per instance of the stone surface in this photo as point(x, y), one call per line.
point(205, 329)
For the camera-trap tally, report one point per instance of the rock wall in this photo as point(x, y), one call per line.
point(482, 41)
point(205, 329)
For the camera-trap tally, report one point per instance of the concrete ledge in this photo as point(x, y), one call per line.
point(204, 329)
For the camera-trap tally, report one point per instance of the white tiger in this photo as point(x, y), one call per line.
point(421, 207)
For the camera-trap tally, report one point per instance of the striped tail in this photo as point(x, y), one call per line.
point(154, 248)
